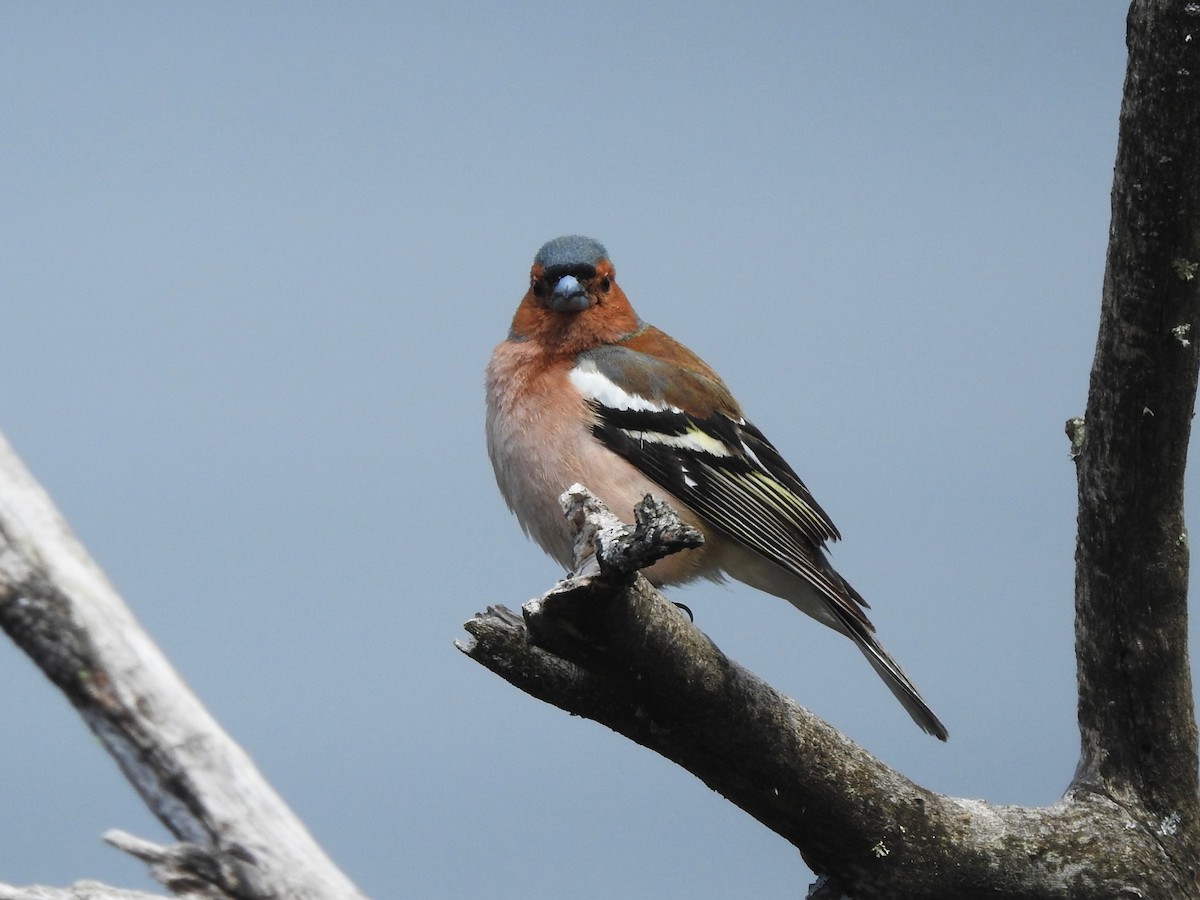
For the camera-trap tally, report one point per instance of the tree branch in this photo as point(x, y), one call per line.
point(240, 839)
point(619, 653)
point(81, 890)
point(1136, 715)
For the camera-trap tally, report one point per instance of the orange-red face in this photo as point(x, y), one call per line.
point(571, 288)
point(572, 307)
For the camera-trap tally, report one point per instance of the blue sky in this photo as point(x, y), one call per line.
point(257, 257)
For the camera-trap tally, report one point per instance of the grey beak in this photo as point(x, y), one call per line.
point(569, 296)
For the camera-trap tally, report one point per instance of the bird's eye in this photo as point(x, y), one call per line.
point(605, 284)
point(539, 288)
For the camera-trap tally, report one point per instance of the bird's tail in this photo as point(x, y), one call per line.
point(835, 603)
point(898, 683)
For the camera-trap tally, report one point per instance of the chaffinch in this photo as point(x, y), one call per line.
point(584, 391)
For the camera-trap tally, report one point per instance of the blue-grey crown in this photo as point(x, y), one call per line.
point(570, 250)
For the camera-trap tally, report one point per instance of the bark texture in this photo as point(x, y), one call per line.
point(1135, 696)
point(237, 837)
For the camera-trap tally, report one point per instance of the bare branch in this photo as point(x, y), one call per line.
point(621, 654)
point(81, 890)
point(59, 608)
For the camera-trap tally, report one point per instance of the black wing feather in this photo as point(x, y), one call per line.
point(743, 486)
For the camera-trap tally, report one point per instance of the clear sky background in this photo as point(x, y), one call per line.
point(255, 258)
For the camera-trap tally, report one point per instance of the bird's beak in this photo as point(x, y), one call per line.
point(569, 296)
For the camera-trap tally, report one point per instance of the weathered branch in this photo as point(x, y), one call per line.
point(81, 890)
point(240, 839)
point(619, 653)
point(187, 869)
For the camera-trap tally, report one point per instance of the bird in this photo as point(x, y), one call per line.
point(582, 390)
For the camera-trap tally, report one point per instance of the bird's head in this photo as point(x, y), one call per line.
point(573, 302)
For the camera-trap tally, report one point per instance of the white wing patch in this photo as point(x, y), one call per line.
point(595, 385)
